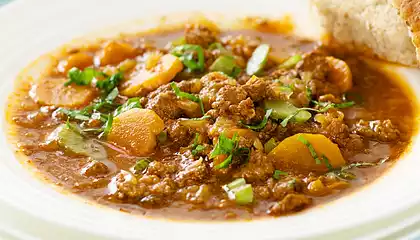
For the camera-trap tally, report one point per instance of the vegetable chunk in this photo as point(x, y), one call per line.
point(115, 52)
point(136, 130)
point(151, 77)
point(292, 154)
point(52, 91)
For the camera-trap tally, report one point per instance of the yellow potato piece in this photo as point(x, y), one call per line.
point(136, 131)
point(293, 155)
point(340, 74)
point(79, 60)
point(115, 52)
point(148, 79)
point(51, 91)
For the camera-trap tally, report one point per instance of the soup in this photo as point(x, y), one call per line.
point(199, 123)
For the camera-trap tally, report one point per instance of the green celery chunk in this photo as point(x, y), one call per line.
point(236, 183)
point(225, 64)
point(283, 109)
point(258, 60)
point(71, 140)
point(242, 195)
point(291, 62)
point(270, 145)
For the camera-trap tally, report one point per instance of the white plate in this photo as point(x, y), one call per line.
point(30, 207)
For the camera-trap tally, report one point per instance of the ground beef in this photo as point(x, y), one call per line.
point(256, 88)
point(192, 172)
point(233, 100)
point(241, 45)
point(94, 168)
point(291, 203)
point(178, 134)
point(199, 35)
point(382, 130)
point(164, 104)
point(258, 168)
point(195, 194)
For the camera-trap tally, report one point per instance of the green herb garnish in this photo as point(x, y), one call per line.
point(189, 96)
point(187, 54)
point(310, 148)
point(110, 83)
point(225, 146)
point(196, 147)
point(277, 174)
point(141, 165)
point(108, 125)
point(82, 78)
point(129, 104)
point(262, 124)
point(325, 106)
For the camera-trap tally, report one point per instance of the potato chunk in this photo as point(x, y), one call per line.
point(150, 78)
point(115, 52)
point(136, 130)
point(293, 155)
point(79, 60)
point(51, 91)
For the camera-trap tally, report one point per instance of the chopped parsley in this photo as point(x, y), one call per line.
point(186, 95)
point(187, 53)
point(225, 146)
point(110, 83)
point(277, 174)
point(196, 147)
point(310, 148)
point(82, 78)
point(345, 174)
point(129, 104)
point(107, 125)
point(262, 124)
point(141, 165)
point(324, 107)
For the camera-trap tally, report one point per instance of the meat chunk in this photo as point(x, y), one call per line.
point(94, 168)
point(259, 168)
point(200, 35)
point(256, 88)
point(233, 100)
point(165, 105)
point(383, 130)
point(125, 185)
point(291, 203)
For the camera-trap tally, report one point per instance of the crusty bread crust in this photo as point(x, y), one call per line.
point(371, 27)
point(409, 11)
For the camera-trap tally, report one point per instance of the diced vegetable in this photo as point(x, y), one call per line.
point(150, 79)
point(178, 41)
point(115, 52)
point(162, 137)
point(239, 191)
point(187, 54)
point(294, 155)
point(136, 130)
point(141, 165)
point(68, 137)
point(196, 147)
point(78, 60)
point(225, 64)
point(52, 91)
point(258, 60)
point(283, 109)
point(236, 183)
point(270, 145)
point(340, 74)
point(291, 62)
point(277, 174)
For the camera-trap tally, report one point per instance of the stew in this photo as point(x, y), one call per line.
point(207, 124)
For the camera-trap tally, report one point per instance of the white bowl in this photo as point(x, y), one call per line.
point(30, 207)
